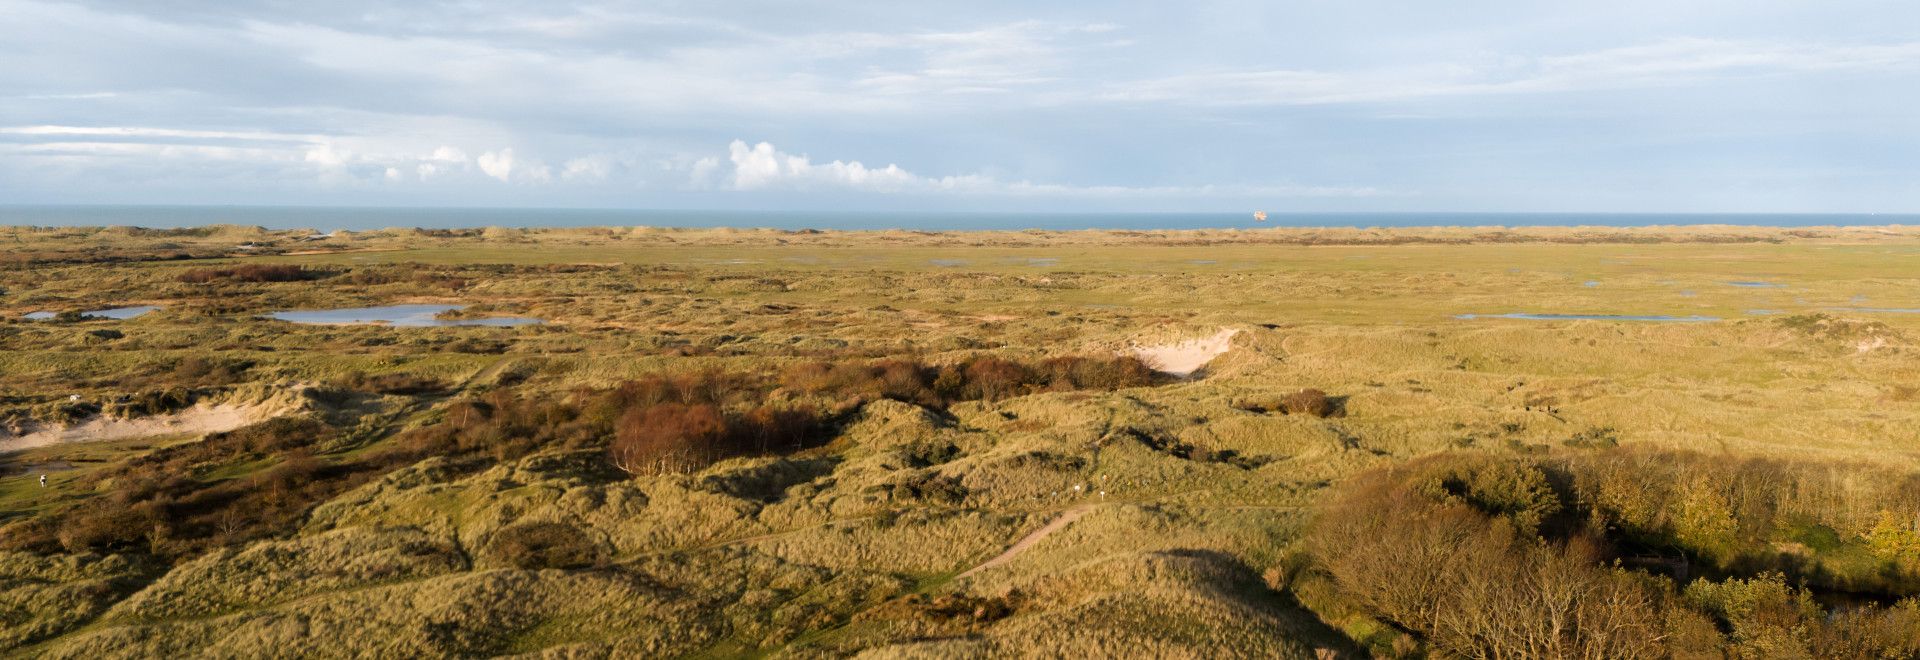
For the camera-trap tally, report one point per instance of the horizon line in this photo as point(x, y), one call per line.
point(617, 209)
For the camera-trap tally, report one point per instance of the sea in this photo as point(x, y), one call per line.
point(329, 218)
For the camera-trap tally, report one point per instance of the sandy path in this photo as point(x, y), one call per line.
point(1066, 517)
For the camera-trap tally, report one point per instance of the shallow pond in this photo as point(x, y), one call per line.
point(1880, 310)
point(122, 313)
point(395, 315)
point(1758, 285)
point(115, 313)
point(1591, 317)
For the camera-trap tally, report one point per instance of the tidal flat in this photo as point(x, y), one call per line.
point(724, 442)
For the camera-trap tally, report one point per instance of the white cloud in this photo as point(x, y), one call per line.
point(587, 168)
point(538, 173)
point(764, 167)
point(761, 166)
point(443, 159)
point(275, 97)
point(508, 168)
point(123, 151)
point(326, 156)
point(333, 159)
point(151, 132)
point(1660, 63)
point(497, 164)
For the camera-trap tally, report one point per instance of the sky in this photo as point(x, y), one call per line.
point(1196, 105)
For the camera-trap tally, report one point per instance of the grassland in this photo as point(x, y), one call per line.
point(452, 493)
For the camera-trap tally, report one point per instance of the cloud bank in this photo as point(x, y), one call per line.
point(764, 167)
point(1365, 105)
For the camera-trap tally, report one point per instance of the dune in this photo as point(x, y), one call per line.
point(1182, 358)
point(198, 420)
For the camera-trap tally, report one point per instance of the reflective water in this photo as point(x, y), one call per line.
point(395, 315)
point(116, 313)
point(1591, 317)
point(121, 313)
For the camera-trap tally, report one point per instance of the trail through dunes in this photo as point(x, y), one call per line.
point(1065, 518)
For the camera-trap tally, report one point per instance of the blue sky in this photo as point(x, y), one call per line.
point(1316, 105)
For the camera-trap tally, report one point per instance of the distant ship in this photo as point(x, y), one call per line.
point(1259, 216)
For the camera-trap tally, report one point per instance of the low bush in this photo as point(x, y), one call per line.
point(209, 371)
point(165, 503)
point(681, 438)
point(536, 545)
point(1304, 402)
point(981, 378)
point(395, 383)
point(1484, 555)
point(253, 273)
point(679, 423)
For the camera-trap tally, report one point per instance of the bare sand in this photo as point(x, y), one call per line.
point(198, 420)
point(1182, 358)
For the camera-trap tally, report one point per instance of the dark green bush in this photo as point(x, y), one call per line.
point(536, 545)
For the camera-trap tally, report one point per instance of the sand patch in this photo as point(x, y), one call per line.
point(1185, 357)
point(198, 420)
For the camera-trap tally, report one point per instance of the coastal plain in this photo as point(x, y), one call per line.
point(965, 468)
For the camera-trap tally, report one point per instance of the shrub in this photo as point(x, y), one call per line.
point(679, 423)
point(253, 273)
point(980, 378)
point(155, 402)
point(153, 504)
point(1477, 586)
point(1484, 555)
point(1304, 402)
point(406, 384)
point(669, 438)
point(204, 371)
point(679, 438)
point(1309, 402)
point(536, 545)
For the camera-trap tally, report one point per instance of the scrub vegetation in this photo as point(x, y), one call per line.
point(922, 444)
